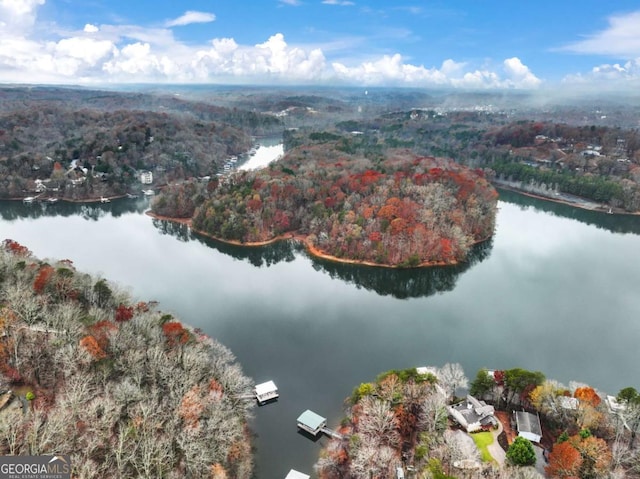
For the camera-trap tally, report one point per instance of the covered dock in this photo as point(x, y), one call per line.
point(266, 392)
point(311, 422)
point(293, 474)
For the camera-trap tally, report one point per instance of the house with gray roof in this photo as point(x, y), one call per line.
point(528, 426)
point(473, 415)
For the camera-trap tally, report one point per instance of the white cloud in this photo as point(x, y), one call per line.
point(132, 53)
point(87, 50)
point(273, 59)
point(614, 76)
point(519, 75)
point(190, 17)
point(292, 3)
point(18, 16)
point(621, 38)
point(343, 3)
point(391, 70)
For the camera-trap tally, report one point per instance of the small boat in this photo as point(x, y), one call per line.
point(131, 196)
point(52, 200)
point(29, 199)
point(148, 192)
point(104, 200)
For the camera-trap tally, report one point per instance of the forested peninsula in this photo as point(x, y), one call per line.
point(396, 209)
point(123, 388)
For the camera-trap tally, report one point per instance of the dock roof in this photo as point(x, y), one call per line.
point(264, 388)
point(311, 419)
point(293, 474)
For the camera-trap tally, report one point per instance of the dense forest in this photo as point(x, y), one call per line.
point(399, 209)
point(124, 389)
point(82, 145)
point(599, 163)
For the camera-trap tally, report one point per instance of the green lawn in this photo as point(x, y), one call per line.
point(482, 440)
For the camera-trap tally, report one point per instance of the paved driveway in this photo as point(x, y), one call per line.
point(494, 448)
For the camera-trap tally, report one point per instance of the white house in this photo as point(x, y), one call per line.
point(146, 177)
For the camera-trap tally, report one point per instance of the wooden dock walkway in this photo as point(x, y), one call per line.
point(332, 433)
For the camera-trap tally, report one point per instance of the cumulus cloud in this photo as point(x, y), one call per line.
point(273, 59)
point(621, 38)
point(343, 3)
point(392, 70)
point(132, 53)
point(614, 76)
point(18, 16)
point(519, 74)
point(190, 17)
point(87, 50)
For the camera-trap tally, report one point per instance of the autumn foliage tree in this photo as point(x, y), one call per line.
point(42, 278)
point(564, 461)
point(110, 388)
point(400, 210)
point(587, 395)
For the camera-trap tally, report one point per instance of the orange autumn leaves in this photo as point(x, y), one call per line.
point(96, 343)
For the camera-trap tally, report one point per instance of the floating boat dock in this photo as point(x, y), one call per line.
point(315, 424)
point(293, 474)
point(266, 392)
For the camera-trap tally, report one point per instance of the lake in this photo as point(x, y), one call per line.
point(555, 290)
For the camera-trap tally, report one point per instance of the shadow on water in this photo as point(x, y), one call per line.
point(399, 283)
point(14, 210)
point(611, 222)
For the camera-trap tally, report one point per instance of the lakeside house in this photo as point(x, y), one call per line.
point(473, 415)
point(146, 177)
point(528, 426)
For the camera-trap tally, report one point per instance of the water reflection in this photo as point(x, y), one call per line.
point(14, 210)
point(614, 223)
point(399, 283)
point(257, 255)
point(404, 283)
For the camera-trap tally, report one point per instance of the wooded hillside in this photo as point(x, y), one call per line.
point(397, 210)
point(124, 389)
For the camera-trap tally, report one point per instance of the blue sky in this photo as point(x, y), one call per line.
point(469, 44)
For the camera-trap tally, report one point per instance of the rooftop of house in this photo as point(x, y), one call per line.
point(475, 411)
point(528, 422)
point(311, 419)
point(265, 388)
point(293, 474)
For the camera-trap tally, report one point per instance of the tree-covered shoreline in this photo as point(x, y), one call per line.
point(123, 388)
point(399, 209)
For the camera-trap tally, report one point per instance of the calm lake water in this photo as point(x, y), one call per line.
point(556, 290)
